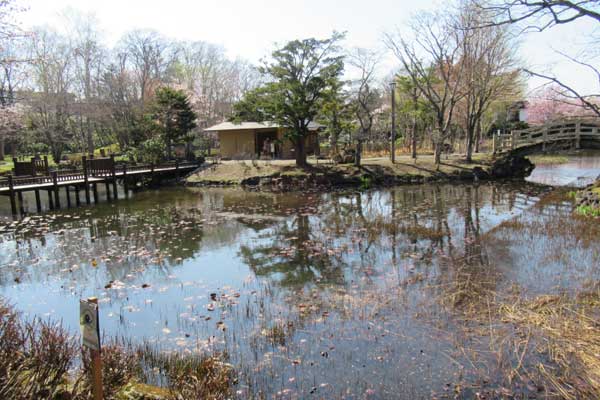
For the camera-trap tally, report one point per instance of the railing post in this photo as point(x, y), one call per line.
point(113, 173)
point(46, 164)
point(578, 135)
point(33, 171)
point(85, 179)
point(55, 184)
point(11, 193)
point(513, 140)
point(544, 138)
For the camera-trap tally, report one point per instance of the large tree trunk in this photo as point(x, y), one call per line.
point(300, 151)
point(358, 154)
point(437, 155)
point(469, 150)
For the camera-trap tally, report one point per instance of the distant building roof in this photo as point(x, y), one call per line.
point(232, 126)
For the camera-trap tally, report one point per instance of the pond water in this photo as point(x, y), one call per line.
point(340, 294)
point(580, 171)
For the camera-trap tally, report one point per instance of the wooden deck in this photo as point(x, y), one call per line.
point(574, 130)
point(93, 172)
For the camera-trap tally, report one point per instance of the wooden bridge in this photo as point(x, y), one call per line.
point(35, 175)
point(576, 132)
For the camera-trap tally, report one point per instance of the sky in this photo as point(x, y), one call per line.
point(249, 29)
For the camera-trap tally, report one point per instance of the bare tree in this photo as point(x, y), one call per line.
point(432, 61)
point(366, 98)
point(51, 97)
point(539, 15)
point(489, 68)
point(150, 56)
point(89, 56)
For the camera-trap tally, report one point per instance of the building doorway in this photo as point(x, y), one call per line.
point(261, 149)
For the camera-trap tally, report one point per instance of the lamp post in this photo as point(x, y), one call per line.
point(393, 144)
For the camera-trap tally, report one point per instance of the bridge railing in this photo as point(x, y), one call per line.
point(569, 129)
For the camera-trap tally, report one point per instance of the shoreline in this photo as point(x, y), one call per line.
point(378, 172)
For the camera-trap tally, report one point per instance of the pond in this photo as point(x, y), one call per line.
point(354, 294)
point(580, 170)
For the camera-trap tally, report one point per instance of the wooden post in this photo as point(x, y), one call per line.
point(50, 201)
point(77, 199)
point(113, 172)
point(544, 138)
point(86, 183)
point(68, 196)
point(21, 205)
point(494, 143)
point(107, 185)
point(56, 193)
point(95, 188)
point(11, 193)
point(578, 135)
point(38, 201)
point(33, 171)
point(46, 163)
point(513, 139)
point(97, 389)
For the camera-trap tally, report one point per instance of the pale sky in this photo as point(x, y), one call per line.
point(249, 29)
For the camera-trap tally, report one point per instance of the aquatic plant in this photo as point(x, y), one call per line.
point(588, 211)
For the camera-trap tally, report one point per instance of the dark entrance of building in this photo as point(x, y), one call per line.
point(259, 143)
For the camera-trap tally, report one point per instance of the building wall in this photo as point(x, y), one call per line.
point(310, 144)
point(237, 144)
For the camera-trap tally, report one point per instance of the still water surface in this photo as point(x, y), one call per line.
point(343, 293)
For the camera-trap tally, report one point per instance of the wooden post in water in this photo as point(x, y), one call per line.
point(50, 201)
point(38, 201)
point(113, 173)
point(68, 196)
point(11, 193)
point(21, 205)
point(86, 183)
point(55, 185)
point(77, 199)
point(95, 188)
point(107, 186)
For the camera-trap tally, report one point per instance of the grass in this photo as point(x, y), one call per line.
point(39, 360)
point(549, 159)
point(588, 211)
point(571, 335)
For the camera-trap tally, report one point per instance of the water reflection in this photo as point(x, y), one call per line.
point(579, 171)
point(341, 293)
